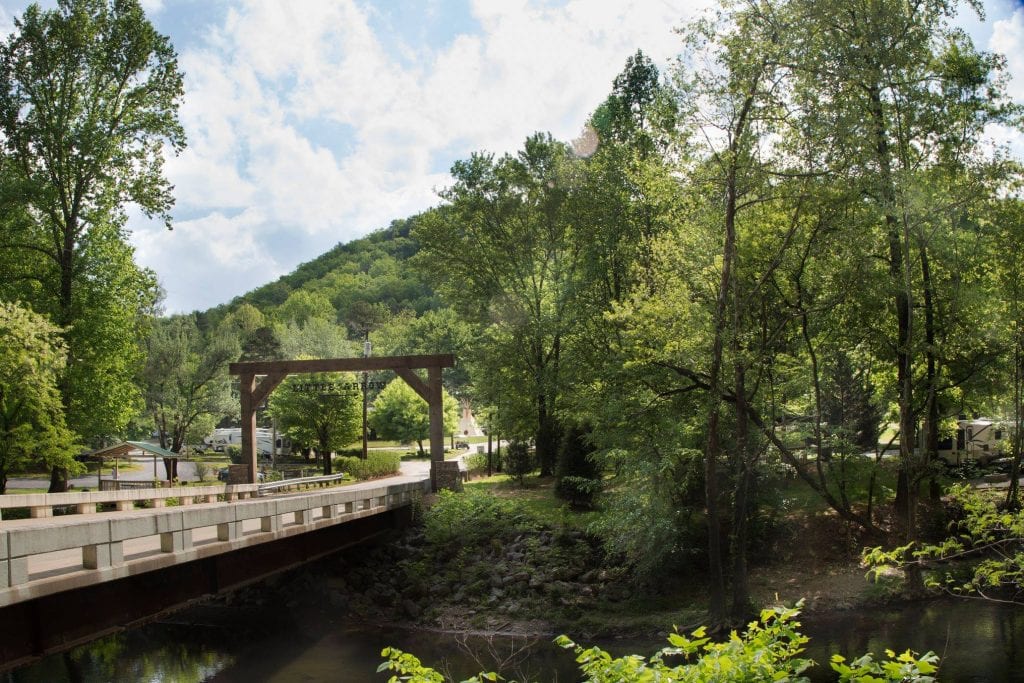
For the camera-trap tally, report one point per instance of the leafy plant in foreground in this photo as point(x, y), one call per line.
point(768, 651)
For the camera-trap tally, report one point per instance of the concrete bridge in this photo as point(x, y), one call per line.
point(67, 579)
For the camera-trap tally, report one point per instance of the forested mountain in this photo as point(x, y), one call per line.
point(369, 270)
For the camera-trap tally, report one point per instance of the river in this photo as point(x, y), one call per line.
point(235, 644)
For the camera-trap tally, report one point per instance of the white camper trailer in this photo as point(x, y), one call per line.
point(978, 439)
point(222, 438)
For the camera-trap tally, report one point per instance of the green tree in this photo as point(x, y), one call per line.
point(302, 306)
point(440, 330)
point(89, 95)
point(32, 429)
point(322, 410)
point(897, 98)
point(502, 252)
point(400, 414)
point(186, 380)
point(316, 338)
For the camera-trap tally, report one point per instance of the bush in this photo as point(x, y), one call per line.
point(476, 463)
point(234, 454)
point(375, 465)
point(470, 517)
point(202, 471)
point(518, 461)
point(578, 491)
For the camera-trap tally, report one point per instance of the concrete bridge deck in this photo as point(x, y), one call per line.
point(47, 555)
point(70, 578)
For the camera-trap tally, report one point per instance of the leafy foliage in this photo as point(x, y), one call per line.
point(769, 650)
point(518, 461)
point(400, 414)
point(578, 478)
point(32, 429)
point(472, 516)
point(89, 94)
point(186, 379)
point(313, 413)
point(986, 540)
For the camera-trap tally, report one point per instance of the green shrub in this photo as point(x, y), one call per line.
point(578, 491)
point(234, 454)
point(376, 465)
point(202, 471)
point(518, 461)
point(578, 477)
point(472, 516)
point(476, 462)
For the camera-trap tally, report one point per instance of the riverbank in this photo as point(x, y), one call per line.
point(498, 571)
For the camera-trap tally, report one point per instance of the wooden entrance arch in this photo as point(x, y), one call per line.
point(273, 372)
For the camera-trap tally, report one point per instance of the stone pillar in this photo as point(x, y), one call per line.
point(448, 476)
point(229, 531)
point(176, 541)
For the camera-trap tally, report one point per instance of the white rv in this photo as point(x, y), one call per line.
point(975, 439)
point(222, 438)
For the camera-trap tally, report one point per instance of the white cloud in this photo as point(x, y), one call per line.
point(152, 7)
point(314, 122)
point(1008, 39)
point(258, 82)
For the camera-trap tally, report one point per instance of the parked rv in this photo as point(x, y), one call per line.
point(222, 438)
point(976, 439)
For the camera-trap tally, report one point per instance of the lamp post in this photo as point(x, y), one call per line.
point(366, 354)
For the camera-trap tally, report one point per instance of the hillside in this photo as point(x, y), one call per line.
point(369, 270)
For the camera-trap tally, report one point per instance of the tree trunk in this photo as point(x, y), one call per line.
point(1012, 501)
point(930, 452)
point(547, 437)
point(58, 480)
point(326, 454)
point(741, 604)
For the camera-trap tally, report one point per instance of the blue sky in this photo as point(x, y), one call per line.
point(313, 122)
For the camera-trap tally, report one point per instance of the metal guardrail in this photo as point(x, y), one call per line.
point(300, 482)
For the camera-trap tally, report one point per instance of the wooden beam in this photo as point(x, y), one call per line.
point(246, 390)
point(263, 389)
point(436, 422)
point(371, 364)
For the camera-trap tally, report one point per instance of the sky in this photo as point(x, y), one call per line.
point(314, 122)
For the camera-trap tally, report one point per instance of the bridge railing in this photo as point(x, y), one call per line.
point(41, 505)
point(300, 483)
point(101, 538)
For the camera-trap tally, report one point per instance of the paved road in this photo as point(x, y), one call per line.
point(186, 472)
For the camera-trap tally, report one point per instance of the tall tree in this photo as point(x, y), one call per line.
point(509, 261)
point(89, 95)
point(897, 99)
